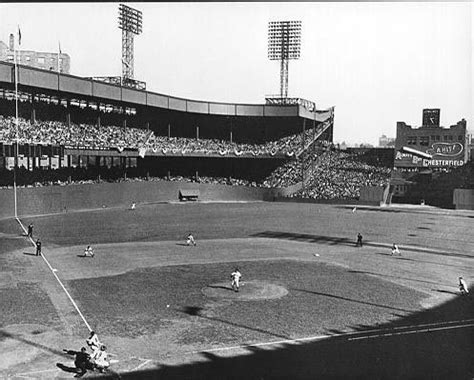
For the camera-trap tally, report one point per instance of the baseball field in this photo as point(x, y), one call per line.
point(311, 304)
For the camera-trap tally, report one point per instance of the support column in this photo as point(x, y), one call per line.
point(197, 132)
point(169, 130)
point(33, 114)
point(302, 154)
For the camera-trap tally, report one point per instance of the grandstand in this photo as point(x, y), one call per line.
point(68, 122)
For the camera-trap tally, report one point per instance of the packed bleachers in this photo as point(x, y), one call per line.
point(83, 136)
point(339, 175)
point(86, 136)
point(329, 173)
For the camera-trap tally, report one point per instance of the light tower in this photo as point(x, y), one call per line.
point(130, 21)
point(284, 42)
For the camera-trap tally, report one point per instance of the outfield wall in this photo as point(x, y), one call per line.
point(56, 199)
point(463, 199)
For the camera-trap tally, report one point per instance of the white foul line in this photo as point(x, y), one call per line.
point(384, 332)
point(412, 331)
point(55, 275)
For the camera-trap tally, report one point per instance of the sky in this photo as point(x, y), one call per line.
point(376, 63)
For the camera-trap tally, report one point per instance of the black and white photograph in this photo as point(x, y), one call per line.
point(237, 190)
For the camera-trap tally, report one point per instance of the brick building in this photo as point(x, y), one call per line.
point(431, 146)
point(40, 60)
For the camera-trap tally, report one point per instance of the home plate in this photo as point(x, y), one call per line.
point(316, 254)
point(112, 361)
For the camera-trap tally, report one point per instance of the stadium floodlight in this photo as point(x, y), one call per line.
point(130, 21)
point(284, 43)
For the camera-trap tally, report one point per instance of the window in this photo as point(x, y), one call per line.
point(438, 138)
point(460, 138)
point(411, 140)
point(451, 137)
point(10, 57)
point(27, 58)
point(445, 137)
point(41, 60)
point(424, 140)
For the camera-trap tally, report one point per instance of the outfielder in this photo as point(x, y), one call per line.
point(235, 276)
point(395, 249)
point(463, 286)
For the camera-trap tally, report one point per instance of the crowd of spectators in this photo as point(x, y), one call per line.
point(87, 136)
point(329, 173)
point(83, 136)
point(339, 175)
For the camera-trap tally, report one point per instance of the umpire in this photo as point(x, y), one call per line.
point(38, 247)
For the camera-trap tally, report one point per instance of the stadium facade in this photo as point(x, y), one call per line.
point(47, 95)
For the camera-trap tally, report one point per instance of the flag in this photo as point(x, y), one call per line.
point(19, 35)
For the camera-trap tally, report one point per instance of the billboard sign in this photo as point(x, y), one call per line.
point(439, 154)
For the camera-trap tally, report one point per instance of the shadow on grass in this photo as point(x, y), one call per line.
point(197, 312)
point(221, 287)
point(182, 244)
point(4, 335)
point(353, 300)
point(399, 277)
point(29, 253)
point(333, 240)
point(65, 368)
point(406, 348)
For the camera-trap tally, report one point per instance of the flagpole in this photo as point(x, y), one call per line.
point(16, 124)
point(59, 52)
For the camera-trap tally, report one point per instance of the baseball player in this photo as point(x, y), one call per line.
point(395, 249)
point(89, 251)
point(191, 240)
point(235, 276)
point(93, 341)
point(100, 359)
point(133, 206)
point(359, 240)
point(81, 361)
point(463, 286)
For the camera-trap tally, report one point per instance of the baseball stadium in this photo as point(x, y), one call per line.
point(102, 183)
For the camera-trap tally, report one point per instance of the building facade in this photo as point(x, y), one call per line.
point(40, 60)
point(431, 146)
point(385, 141)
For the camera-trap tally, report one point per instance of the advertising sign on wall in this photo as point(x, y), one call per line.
point(439, 154)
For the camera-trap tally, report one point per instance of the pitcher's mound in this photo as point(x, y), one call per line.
point(249, 291)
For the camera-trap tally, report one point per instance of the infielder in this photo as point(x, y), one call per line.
point(190, 240)
point(235, 276)
point(89, 251)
